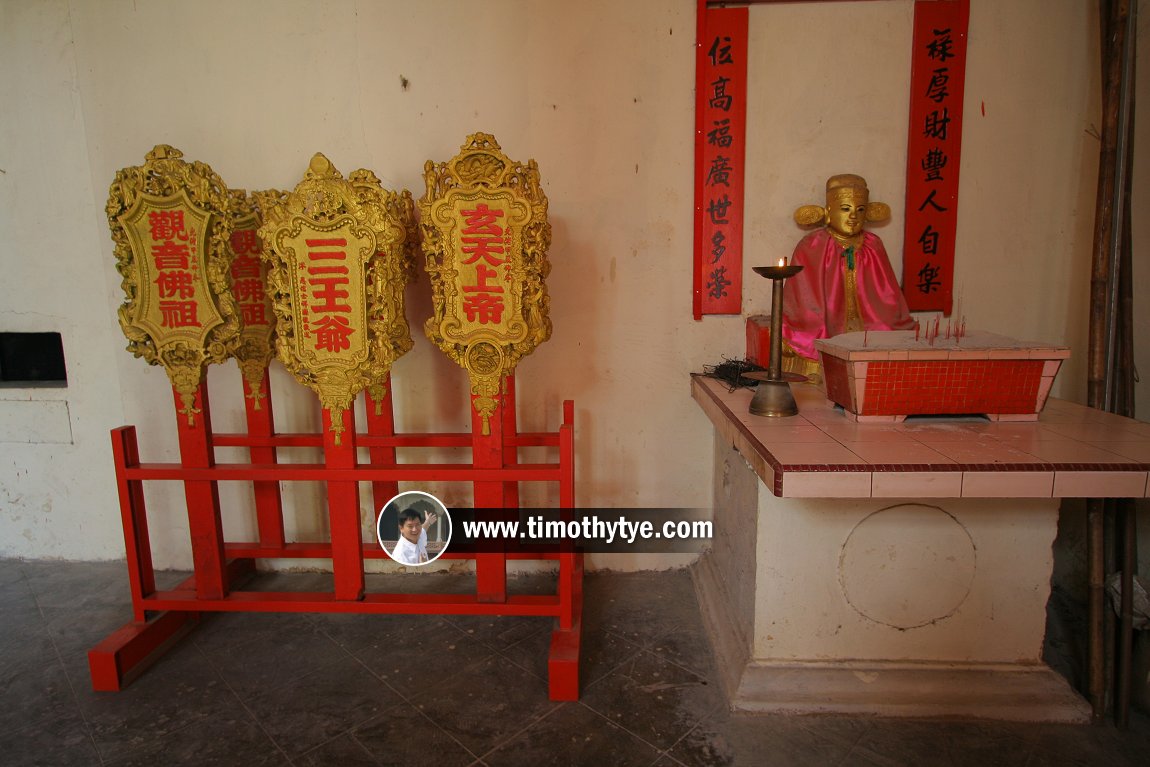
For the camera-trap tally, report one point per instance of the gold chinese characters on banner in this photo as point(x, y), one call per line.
point(485, 238)
point(339, 256)
point(170, 226)
point(249, 287)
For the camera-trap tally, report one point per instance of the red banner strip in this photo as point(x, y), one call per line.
point(934, 144)
point(720, 151)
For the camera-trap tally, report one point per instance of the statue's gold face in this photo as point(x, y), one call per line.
point(847, 214)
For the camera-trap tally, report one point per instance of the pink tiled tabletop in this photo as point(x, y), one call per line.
point(1072, 451)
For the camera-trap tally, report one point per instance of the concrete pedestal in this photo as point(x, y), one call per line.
point(883, 606)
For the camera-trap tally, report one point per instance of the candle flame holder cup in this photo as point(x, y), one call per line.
point(773, 396)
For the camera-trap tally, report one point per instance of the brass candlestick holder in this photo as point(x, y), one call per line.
point(773, 396)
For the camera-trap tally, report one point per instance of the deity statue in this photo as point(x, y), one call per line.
point(847, 283)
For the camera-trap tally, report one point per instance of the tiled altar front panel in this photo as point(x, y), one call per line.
point(950, 386)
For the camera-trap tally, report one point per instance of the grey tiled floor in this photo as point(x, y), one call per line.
point(283, 689)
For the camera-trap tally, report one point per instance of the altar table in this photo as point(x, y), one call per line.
point(897, 568)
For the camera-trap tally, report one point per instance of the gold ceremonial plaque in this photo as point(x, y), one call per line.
point(386, 318)
point(339, 259)
point(485, 238)
point(170, 226)
point(249, 288)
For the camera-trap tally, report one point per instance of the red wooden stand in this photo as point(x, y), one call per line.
point(160, 618)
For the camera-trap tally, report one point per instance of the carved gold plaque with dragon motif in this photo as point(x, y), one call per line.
point(169, 222)
point(485, 239)
point(339, 258)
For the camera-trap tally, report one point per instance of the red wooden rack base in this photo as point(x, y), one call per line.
point(162, 618)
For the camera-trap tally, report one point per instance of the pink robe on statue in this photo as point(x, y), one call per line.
point(814, 301)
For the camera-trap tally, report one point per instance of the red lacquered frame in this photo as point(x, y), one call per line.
point(160, 618)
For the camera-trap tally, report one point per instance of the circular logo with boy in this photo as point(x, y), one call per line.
point(414, 528)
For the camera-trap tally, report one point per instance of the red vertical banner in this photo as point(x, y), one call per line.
point(720, 150)
point(934, 144)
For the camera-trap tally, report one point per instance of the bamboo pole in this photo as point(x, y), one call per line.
point(1123, 372)
point(1113, 13)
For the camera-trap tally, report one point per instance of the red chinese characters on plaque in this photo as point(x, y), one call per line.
point(174, 300)
point(934, 143)
point(249, 276)
point(484, 233)
point(720, 150)
point(327, 294)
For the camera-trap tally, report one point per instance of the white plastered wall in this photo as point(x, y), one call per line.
point(600, 93)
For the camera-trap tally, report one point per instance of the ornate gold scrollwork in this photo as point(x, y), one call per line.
point(485, 240)
point(339, 253)
point(170, 226)
point(249, 287)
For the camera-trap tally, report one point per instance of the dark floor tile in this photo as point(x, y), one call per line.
point(419, 582)
point(226, 739)
point(686, 644)
point(641, 607)
point(344, 751)
point(654, 699)
point(279, 580)
point(742, 739)
point(14, 588)
point(419, 666)
point(1042, 757)
point(534, 583)
point(180, 690)
point(1055, 744)
point(34, 694)
point(487, 703)
point(644, 667)
point(573, 735)
point(899, 742)
point(52, 743)
point(78, 584)
point(845, 729)
point(167, 580)
point(405, 736)
point(600, 652)
point(500, 631)
point(262, 665)
point(356, 632)
point(75, 631)
point(25, 642)
point(220, 633)
point(315, 708)
point(701, 747)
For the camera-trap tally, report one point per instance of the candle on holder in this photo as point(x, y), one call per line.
point(773, 395)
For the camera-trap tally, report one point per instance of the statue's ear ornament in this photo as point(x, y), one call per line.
point(811, 215)
point(877, 211)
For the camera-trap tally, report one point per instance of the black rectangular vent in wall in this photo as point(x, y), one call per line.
point(32, 359)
